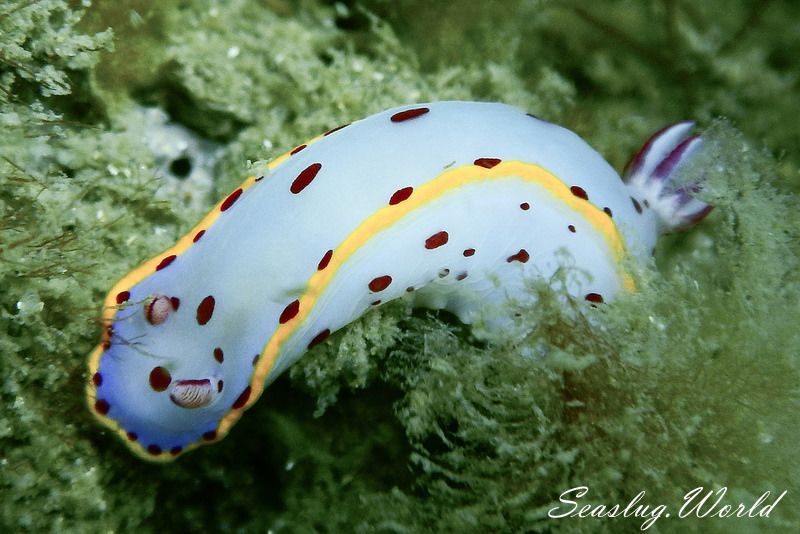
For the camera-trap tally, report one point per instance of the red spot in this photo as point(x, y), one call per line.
point(319, 338)
point(374, 302)
point(326, 259)
point(289, 312)
point(400, 195)
point(408, 114)
point(522, 256)
point(242, 400)
point(336, 129)
point(571, 228)
point(205, 310)
point(380, 283)
point(636, 205)
point(579, 192)
point(233, 197)
point(219, 355)
point(486, 162)
point(97, 379)
point(166, 261)
point(197, 236)
point(594, 297)
point(524, 206)
point(123, 296)
point(176, 303)
point(461, 276)
point(211, 435)
point(131, 436)
point(101, 406)
point(155, 450)
point(175, 451)
point(436, 240)
point(468, 252)
point(607, 211)
point(160, 379)
point(106, 345)
point(305, 178)
point(297, 149)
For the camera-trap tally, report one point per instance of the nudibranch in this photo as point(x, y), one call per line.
point(452, 204)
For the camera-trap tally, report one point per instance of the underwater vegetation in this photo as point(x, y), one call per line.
point(403, 422)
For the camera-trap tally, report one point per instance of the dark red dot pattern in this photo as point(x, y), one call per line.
point(607, 211)
point(160, 379)
point(636, 205)
point(166, 261)
point(522, 256)
point(289, 312)
point(487, 163)
point(326, 259)
point(400, 195)
point(101, 406)
point(594, 297)
point(132, 436)
point(233, 197)
point(242, 399)
point(579, 192)
point(205, 310)
point(380, 283)
point(175, 302)
point(305, 177)
point(319, 338)
point(571, 228)
point(437, 240)
point(409, 114)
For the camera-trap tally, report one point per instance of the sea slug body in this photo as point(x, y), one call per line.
point(435, 201)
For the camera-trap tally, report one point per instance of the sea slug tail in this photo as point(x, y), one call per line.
point(653, 176)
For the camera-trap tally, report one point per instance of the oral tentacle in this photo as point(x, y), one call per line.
point(192, 394)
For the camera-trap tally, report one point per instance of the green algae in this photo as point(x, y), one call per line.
point(404, 422)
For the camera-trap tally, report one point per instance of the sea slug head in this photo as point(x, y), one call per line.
point(161, 377)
